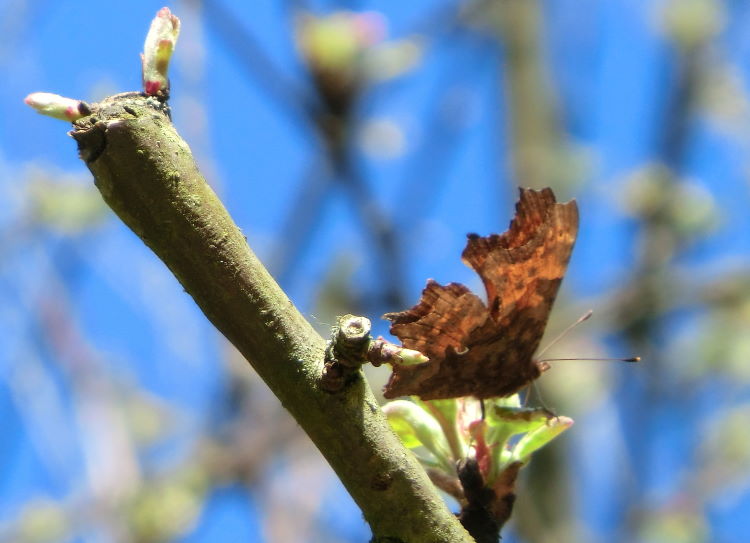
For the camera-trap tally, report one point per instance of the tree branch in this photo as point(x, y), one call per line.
point(147, 175)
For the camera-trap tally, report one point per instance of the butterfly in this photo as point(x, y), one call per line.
point(487, 350)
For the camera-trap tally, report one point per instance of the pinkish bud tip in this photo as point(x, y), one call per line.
point(152, 87)
point(157, 51)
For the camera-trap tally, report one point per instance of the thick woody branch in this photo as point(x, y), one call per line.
point(147, 175)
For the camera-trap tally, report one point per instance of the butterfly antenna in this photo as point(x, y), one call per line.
point(533, 385)
point(586, 316)
point(631, 359)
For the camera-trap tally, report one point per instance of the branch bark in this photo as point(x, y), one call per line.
point(147, 175)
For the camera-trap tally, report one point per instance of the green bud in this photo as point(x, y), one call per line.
point(415, 427)
point(446, 413)
point(540, 437)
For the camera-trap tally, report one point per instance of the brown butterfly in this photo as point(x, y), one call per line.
point(487, 350)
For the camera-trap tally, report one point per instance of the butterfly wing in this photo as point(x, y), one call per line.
point(487, 351)
point(439, 326)
point(536, 246)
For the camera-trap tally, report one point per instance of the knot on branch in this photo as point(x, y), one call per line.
point(350, 340)
point(346, 351)
point(351, 346)
point(91, 131)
